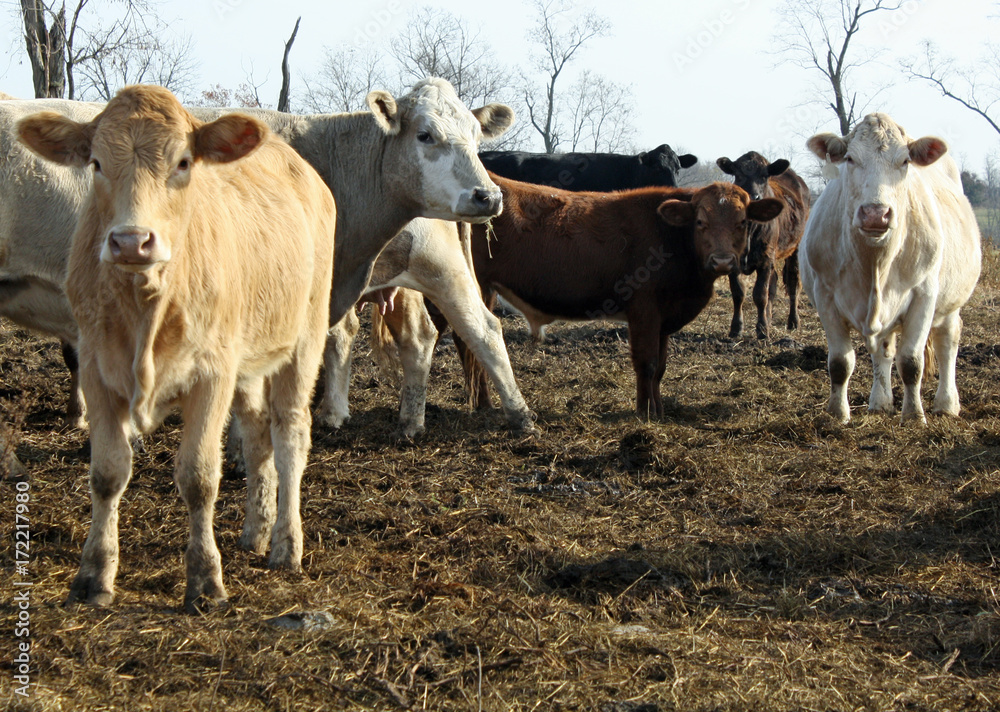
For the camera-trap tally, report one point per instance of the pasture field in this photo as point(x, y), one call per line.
point(745, 553)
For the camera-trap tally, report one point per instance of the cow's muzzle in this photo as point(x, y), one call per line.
point(484, 203)
point(722, 263)
point(875, 218)
point(133, 247)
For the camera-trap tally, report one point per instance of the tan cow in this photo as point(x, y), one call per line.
point(199, 275)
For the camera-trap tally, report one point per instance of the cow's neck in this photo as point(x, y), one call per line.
point(349, 152)
point(876, 261)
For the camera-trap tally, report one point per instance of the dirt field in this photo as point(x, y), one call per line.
point(746, 553)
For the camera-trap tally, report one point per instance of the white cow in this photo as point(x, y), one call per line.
point(892, 250)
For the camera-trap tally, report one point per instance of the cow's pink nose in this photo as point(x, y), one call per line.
point(132, 245)
point(875, 217)
point(722, 263)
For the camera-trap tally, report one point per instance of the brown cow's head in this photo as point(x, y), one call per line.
point(875, 161)
point(440, 137)
point(718, 214)
point(144, 148)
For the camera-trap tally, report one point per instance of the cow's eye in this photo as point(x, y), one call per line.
point(425, 137)
point(183, 165)
point(96, 164)
point(849, 159)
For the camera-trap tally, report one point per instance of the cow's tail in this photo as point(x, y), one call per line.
point(930, 357)
point(385, 350)
point(475, 374)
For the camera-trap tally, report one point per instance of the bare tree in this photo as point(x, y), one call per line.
point(145, 60)
point(976, 87)
point(345, 79)
point(437, 43)
point(286, 77)
point(559, 36)
point(600, 114)
point(46, 47)
point(823, 36)
point(59, 39)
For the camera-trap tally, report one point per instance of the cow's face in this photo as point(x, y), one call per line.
point(719, 214)
point(875, 161)
point(143, 149)
point(751, 172)
point(661, 165)
point(438, 139)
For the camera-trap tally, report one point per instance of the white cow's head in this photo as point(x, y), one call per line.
point(875, 160)
point(143, 149)
point(439, 137)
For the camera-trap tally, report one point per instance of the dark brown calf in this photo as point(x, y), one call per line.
point(649, 257)
point(770, 241)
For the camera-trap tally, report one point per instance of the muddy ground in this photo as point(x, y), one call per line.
point(744, 553)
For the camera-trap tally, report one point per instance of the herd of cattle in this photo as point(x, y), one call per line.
point(208, 260)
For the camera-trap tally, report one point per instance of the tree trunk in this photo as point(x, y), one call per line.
point(286, 77)
point(46, 49)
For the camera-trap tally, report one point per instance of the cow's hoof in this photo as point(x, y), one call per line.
point(409, 432)
point(85, 590)
point(333, 421)
point(915, 418)
point(203, 603)
point(255, 541)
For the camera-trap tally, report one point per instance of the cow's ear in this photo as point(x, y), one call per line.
point(778, 167)
point(924, 151)
point(764, 209)
point(57, 138)
point(828, 144)
point(385, 110)
point(677, 212)
point(228, 138)
point(687, 160)
point(495, 119)
point(725, 165)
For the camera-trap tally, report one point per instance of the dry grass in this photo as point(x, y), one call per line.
point(746, 553)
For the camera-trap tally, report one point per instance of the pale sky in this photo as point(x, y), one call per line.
point(704, 73)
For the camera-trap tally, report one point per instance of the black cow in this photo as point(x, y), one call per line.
point(769, 242)
point(590, 171)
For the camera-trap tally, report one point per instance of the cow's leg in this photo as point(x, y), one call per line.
point(761, 289)
point(335, 410)
point(840, 364)
point(790, 274)
point(252, 411)
point(480, 331)
point(110, 471)
point(661, 368)
point(197, 474)
point(882, 351)
point(910, 356)
point(945, 341)
point(644, 340)
point(415, 334)
point(76, 408)
point(739, 293)
point(291, 388)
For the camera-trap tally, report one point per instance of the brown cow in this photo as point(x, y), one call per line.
point(771, 241)
point(649, 257)
point(199, 275)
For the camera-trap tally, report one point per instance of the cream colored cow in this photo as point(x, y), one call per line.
point(199, 275)
point(891, 250)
